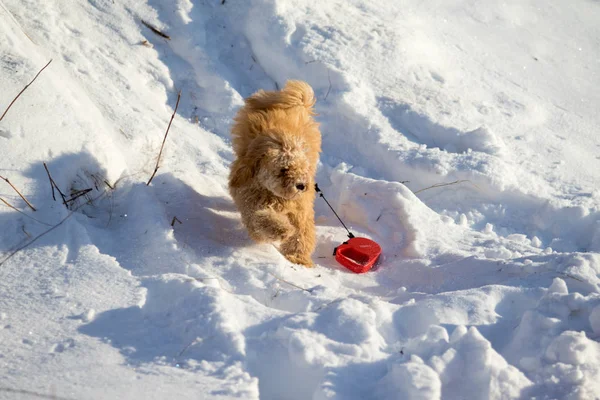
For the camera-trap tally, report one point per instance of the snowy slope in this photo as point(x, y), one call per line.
point(488, 287)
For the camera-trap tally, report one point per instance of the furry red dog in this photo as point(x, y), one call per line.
point(277, 144)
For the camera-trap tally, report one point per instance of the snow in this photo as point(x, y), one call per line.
point(461, 136)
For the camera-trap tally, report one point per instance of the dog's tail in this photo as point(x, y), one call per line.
point(294, 94)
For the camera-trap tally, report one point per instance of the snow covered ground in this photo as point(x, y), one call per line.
point(488, 288)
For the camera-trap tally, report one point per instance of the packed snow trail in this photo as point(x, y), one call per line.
point(487, 289)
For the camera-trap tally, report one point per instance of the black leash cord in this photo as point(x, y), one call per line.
point(350, 235)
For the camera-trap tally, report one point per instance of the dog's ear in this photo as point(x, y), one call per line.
point(245, 167)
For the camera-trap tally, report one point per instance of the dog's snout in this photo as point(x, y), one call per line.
point(300, 186)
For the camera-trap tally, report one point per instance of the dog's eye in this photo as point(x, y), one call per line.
point(284, 170)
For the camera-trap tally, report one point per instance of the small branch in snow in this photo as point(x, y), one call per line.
point(54, 185)
point(330, 303)
point(17, 23)
point(8, 204)
point(19, 193)
point(108, 184)
point(571, 276)
point(175, 219)
point(25, 88)
point(165, 138)
point(25, 232)
point(222, 2)
point(153, 29)
point(46, 231)
point(437, 185)
point(329, 89)
point(21, 212)
point(77, 194)
point(276, 294)
point(289, 283)
point(196, 340)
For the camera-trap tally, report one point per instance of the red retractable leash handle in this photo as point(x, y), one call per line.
point(358, 254)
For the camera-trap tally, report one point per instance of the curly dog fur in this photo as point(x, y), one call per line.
point(277, 144)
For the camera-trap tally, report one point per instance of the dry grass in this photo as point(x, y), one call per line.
point(19, 193)
point(165, 139)
point(25, 88)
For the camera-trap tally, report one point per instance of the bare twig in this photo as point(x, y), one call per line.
point(330, 303)
point(153, 29)
point(110, 209)
point(175, 219)
point(19, 193)
point(46, 231)
point(289, 283)
point(23, 30)
point(21, 212)
point(571, 276)
point(51, 183)
point(109, 185)
point(329, 89)
point(8, 204)
point(77, 194)
point(437, 185)
point(25, 88)
point(54, 185)
point(25, 232)
point(196, 340)
point(276, 294)
point(165, 138)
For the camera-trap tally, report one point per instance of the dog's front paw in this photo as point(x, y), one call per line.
point(271, 226)
point(300, 259)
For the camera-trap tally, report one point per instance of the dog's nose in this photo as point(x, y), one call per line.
point(300, 187)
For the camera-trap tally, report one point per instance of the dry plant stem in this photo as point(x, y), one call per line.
point(51, 183)
point(153, 29)
point(437, 185)
point(25, 232)
point(108, 184)
point(175, 219)
point(17, 23)
point(19, 193)
point(165, 139)
point(187, 347)
point(54, 185)
point(21, 212)
point(328, 89)
point(289, 283)
point(47, 231)
point(78, 194)
point(25, 88)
